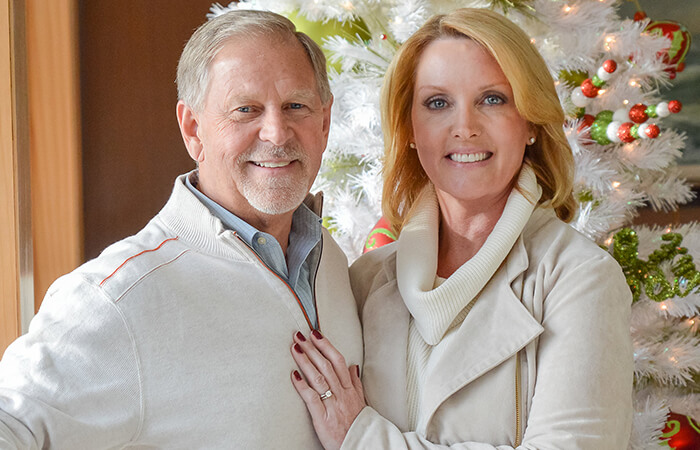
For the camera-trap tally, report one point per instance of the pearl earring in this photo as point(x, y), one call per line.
point(532, 140)
point(412, 145)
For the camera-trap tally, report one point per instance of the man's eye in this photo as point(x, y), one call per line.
point(437, 103)
point(296, 106)
point(243, 109)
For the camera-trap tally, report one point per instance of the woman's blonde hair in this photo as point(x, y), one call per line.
point(535, 98)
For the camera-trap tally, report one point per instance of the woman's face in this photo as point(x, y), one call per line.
point(469, 135)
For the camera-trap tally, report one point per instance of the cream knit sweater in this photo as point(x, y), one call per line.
point(438, 305)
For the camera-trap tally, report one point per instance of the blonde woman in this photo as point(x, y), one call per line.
point(490, 323)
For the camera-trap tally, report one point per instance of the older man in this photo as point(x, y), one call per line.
point(179, 336)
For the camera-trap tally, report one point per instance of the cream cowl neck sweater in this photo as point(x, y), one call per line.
point(437, 306)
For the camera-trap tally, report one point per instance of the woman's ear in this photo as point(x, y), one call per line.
point(187, 119)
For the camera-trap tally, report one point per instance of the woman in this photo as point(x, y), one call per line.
point(490, 323)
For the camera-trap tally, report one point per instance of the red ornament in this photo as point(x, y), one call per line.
point(680, 39)
point(380, 235)
point(638, 113)
point(625, 133)
point(383, 37)
point(675, 106)
point(681, 433)
point(652, 130)
point(640, 15)
point(610, 66)
point(589, 89)
point(586, 121)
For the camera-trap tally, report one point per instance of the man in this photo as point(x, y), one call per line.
point(180, 336)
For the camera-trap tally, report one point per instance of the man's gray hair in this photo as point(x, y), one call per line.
point(209, 38)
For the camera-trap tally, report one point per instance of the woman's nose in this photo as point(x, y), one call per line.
point(467, 124)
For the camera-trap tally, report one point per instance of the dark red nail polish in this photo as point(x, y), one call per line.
point(300, 336)
point(357, 371)
point(298, 349)
point(297, 376)
point(317, 334)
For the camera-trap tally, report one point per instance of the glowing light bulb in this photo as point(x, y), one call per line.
point(625, 102)
point(616, 184)
point(663, 306)
point(532, 41)
point(602, 91)
point(633, 83)
point(567, 9)
point(348, 5)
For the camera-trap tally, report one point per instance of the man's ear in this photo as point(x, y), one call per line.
point(327, 117)
point(187, 119)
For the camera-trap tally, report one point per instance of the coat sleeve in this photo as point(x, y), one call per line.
point(583, 388)
point(72, 381)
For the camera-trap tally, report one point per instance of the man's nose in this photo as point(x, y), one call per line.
point(275, 128)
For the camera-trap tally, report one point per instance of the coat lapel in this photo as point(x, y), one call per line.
point(385, 322)
point(496, 328)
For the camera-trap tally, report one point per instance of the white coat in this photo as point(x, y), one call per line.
point(543, 358)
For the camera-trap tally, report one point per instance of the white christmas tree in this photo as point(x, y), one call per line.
point(610, 73)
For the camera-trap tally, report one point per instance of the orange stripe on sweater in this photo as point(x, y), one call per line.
point(134, 256)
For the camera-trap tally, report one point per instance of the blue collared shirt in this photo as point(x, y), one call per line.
point(298, 269)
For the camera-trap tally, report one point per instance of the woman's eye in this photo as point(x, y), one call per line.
point(494, 100)
point(436, 103)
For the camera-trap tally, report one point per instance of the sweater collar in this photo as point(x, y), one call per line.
point(433, 310)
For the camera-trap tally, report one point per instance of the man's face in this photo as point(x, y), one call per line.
point(262, 129)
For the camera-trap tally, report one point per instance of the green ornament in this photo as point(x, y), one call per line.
point(604, 116)
point(634, 131)
point(597, 82)
point(598, 132)
point(651, 111)
point(649, 275)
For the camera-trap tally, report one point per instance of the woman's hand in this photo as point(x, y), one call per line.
point(331, 390)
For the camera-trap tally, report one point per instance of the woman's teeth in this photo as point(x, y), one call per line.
point(468, 158)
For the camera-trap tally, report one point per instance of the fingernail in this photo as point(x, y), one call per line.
point(298, 349)
point(296, 375)
point(317, 334)
point(300, 336)
point(357, 371)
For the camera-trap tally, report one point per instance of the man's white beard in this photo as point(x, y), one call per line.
point(275, 195)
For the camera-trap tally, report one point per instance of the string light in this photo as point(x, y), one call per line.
point(609, 41)
point(532, 41)
point(567, 9)
point(625, 102)
point(634, 83)
point(616, 184)
point(663, 306)
point(602, 91)
point(348, 6)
